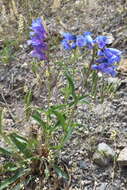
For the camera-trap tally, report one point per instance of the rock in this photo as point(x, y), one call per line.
point(103, 155)
point(103, 186)
point(82, 164)
point(122, 158)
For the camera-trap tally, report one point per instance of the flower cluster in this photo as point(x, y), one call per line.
point(37, 39)
point(107, 57)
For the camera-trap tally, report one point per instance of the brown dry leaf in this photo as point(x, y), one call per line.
point(122, 66)
point(56, 4)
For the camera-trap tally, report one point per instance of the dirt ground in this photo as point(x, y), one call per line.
point(98, 120)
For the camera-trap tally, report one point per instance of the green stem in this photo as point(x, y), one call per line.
point(89, 68)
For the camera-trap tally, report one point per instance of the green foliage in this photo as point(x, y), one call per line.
point(30, 153)
point(7, 51)
point(36, 155)
point(27, 100)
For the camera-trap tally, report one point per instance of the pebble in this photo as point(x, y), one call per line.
point(122, 158)
point(103, 155)
point(82, 164)
point(103, 186)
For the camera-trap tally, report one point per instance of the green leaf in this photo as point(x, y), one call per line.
point(19, 173)
point(57, 147)
point(21, 143)
point(28, 98)
point(5, 151)
point(60, 172)
point(67, 135)
point(61, 119)
point(10, 166)
point(37, 117)
point(71, 85)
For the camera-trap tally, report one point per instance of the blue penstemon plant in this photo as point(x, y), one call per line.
point(35, 156)
point(104, 59)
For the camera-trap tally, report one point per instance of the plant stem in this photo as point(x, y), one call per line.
point(89, 68)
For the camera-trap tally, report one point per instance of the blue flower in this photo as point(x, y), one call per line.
point(88, 39)
point(113, 55)
point(81, 41)
point(37, 39)
point(38, 28)
point(101, 41)
point(68, 36)
point(108, 57)
point(69, 41)
point(38, 54)
point(68, 45)
point(112, 51)
point(105, 68)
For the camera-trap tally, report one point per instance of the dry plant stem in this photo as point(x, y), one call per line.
point(12, 116)
point(102, 89)
point(89, 68)
point(72, 115)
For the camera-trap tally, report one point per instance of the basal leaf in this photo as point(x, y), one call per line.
point(21, 144)
point(19, 173)
point(5, 151)
point(37, 117)
point(60, 172)
point(67, 135)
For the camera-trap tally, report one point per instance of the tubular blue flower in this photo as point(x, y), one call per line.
point(38, 28)
point(88, 39)
point(69, 41)
point(68, 45)
point(68, 36)
point(37, 39)
point(81, 41)
point(108, 57)
point(101, 41)
point(39, 54)
point(112, 51)
point(105, 68)
point(112, 54)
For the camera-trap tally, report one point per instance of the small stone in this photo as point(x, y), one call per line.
point(122, 158)
point(82, 164)
point(106, 149)
point(103, 186)
point(103, 155)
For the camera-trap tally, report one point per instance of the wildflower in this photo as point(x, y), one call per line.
point(105, 68)
point(68, 36)
point(112, 54)
point(88, 39)
point(80, 41)
point(108, 57)
point(37, 39)
point(69, 41)
point(101, 41)
point(38, 28)
point(68, 45)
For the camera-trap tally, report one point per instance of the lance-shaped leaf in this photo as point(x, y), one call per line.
point(37, 117)
point(21, 144)
point(7, 182)
point(5, 151)
point(71, 86)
